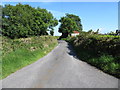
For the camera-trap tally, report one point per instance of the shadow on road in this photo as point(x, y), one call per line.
point(71, 51)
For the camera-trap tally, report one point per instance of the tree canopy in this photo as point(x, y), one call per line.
point(69, 23)
point(24, 21)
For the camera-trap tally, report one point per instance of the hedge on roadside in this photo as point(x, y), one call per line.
point(102, 51)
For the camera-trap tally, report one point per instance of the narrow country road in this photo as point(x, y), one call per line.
point(60, 69)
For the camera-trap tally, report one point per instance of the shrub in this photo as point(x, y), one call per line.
point(102, 51)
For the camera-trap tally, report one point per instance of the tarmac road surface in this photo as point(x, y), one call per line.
point(60, 69)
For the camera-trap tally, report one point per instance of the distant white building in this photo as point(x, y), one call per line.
point(75, 33)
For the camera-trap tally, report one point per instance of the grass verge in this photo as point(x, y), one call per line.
point(24, 52)
point(104, 61)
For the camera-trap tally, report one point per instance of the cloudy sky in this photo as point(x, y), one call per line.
point(94, 15)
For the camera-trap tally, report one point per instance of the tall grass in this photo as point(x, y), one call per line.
point(18, 53)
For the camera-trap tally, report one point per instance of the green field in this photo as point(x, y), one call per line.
point(17, 53)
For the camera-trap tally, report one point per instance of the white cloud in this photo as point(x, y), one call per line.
point(106, 30)
point(102, 30)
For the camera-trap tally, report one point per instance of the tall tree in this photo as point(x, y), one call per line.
point(76, 19)
point(24, 21)
point(52, 32)
point(69, 23)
